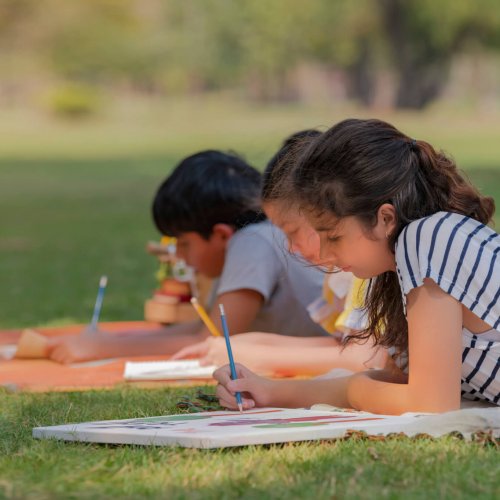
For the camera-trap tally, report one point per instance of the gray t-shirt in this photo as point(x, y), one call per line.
point(257, 258)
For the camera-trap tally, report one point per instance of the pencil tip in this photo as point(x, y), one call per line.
point(240, 407)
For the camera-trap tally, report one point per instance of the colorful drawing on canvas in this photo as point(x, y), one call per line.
point(226, 428)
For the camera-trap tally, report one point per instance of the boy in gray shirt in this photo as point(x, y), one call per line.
point(257, 258)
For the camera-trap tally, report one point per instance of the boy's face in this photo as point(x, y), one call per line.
point(205, 256)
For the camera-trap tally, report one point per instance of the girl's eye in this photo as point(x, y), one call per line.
point(333, 239)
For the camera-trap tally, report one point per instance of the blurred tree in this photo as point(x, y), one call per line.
point(347, 35)
point(424, 35)
point(197, 45)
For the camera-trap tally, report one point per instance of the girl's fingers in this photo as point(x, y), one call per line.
point(223, 394)
point(222, 375)
point(206, 361)
point(192, 351)
point(227, 400)
point(248, 404)
point(231, 405)
point(243, 372)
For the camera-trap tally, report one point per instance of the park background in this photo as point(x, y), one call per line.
point(100, 99)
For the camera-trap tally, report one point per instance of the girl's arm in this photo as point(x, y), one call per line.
point(260, 391)
point(433, 385)
point(286, 357)
point(275, 339)
point(249, 346)
point(435, 347)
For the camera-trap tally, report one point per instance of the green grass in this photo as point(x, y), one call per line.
point(74, 204)
point(354, 468)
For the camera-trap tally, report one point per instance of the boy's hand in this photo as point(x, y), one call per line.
point(77, 348)
point(255, 390)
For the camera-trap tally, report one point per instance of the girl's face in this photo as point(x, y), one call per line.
point(301, 236)
point(349, 245)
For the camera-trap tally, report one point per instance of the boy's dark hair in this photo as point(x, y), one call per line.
point(208, 188)
point(277, 172)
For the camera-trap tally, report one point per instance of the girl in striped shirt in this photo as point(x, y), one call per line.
point(394, 210)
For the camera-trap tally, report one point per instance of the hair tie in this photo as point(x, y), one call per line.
point(414, 145)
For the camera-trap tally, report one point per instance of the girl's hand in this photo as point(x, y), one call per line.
point(211, 351)
point(255, 390)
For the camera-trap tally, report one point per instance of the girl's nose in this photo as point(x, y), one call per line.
point(326, 257)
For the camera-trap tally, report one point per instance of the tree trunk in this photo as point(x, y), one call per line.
point(361, 75)
point(422, 66)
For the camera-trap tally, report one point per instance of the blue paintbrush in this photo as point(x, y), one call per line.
point(225, 329)
point(98, 303)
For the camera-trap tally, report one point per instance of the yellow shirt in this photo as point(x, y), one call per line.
point(340, 309)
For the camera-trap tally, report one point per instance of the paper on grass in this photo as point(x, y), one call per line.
point(227, 428)
point(167, 370)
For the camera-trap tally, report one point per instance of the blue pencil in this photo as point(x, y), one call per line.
point(98, 303)
point(225, 329)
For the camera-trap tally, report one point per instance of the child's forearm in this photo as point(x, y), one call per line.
point(150, 344)
point(274, 339)
point(305, 393)
point(379, 391)
point(311, 360)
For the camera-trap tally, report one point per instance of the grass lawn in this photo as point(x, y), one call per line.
point(354, 468)
point(74, 200)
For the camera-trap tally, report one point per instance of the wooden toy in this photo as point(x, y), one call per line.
point(177, 283)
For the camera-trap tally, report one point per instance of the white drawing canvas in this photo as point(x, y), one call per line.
point(227, 428)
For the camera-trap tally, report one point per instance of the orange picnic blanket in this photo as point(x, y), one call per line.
point(43, 375)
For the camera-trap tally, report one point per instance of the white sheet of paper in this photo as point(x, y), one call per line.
point(167, 370)
point(227, 428)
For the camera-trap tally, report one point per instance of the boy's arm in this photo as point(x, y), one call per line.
point(101, 344)
point(241, 306)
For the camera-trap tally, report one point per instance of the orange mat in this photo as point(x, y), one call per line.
point(43, 375)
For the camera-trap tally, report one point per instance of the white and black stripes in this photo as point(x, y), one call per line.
point(462, 256)
point(480, 366)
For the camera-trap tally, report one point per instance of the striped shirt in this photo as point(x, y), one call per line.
point(462, 256)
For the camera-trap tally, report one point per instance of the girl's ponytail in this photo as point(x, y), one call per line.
point(451, 189)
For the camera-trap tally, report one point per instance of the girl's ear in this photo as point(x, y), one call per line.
point(222, 231)
point(387, 219)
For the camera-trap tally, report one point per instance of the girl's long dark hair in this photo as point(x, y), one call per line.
point(358, 165)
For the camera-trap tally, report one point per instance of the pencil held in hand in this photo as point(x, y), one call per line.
point(207, 321)
point(225, 329)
